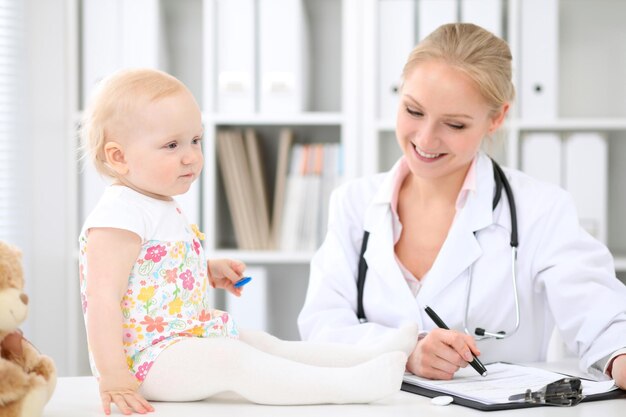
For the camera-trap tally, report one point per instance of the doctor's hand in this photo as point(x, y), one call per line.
point(223, 273)
point(618, 371)
point(441, 353)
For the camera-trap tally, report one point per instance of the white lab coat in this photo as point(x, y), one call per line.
point(564, 275)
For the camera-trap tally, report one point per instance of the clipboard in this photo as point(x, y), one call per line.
point(477, 405)
point(556, 389)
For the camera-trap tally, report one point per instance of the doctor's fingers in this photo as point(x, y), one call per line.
point(431, 366)
point(435, 359)
point(462, 343)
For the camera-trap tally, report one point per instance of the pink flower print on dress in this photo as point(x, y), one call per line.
point(204, 315)
point(188, 280)
point(159, 340)
point(157, 324)
point(171, 275)
point(142, 371)
point(155, 253)
point(196, 246)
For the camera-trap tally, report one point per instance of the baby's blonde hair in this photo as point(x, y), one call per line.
point(484, 57)
point(116, 96)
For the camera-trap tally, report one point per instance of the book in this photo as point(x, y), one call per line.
point(244, 190)
point(285, 141)
point(228, 168)
point(259, 189)
point(294, 198)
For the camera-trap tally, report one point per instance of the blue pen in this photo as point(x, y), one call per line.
point(243, 281)
point(476, 364)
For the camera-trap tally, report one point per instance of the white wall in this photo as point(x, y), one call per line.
point(48, 164)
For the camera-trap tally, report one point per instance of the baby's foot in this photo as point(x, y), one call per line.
point(374, 379)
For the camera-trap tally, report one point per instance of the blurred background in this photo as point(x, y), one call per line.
point(292, 83)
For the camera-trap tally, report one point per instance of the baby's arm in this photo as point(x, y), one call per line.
point(223, 273)
point(111, 254)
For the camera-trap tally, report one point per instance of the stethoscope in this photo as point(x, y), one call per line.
point(500, 183)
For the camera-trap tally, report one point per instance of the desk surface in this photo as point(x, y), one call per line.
point(78, 397)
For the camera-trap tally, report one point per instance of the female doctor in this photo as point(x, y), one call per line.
point(436, 240)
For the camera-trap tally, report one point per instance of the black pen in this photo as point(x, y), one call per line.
point(476, 364)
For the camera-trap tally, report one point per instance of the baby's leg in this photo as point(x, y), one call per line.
point(332, 354)
point(195, 369)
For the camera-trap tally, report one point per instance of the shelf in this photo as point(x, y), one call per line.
point(577, 124)
point(264, 257)
point(299, 119)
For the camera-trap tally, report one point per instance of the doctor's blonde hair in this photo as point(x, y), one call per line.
point(484, 57)
point(113, 103)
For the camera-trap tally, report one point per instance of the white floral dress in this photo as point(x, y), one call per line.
point(167, 297)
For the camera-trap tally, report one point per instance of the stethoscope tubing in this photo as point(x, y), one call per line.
point(501, 183)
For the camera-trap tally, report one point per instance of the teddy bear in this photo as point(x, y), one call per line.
point(27, 378)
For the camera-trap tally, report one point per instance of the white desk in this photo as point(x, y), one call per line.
point(78, 397)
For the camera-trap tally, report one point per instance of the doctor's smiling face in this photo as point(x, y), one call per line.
point(442, 119)
point(456, 90)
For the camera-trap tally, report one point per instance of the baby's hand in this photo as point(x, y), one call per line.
point(121, 389)
point(223, 273)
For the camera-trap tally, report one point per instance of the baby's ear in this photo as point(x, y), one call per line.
point(114, 154)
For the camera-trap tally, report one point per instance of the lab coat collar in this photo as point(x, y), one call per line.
point(380, 255)
point(460, 250)
point(478, 202)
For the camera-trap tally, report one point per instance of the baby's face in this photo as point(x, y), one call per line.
point(163, 148)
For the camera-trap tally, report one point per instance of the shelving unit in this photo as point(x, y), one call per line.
point(344, 108)
point(331, 116)
point(582, 26)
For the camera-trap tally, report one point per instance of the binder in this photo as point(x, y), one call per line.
point(539, 54)
point(542, 157)
point(119, 34)
point(434, 13)
point(235, 56)
point(396, 37)
point(283, 56)
point(485, 13)
point(586, 158)
point(141, 34)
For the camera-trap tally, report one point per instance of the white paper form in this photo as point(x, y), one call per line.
point(502, 381)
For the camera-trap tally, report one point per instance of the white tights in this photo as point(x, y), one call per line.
point(267, 370)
